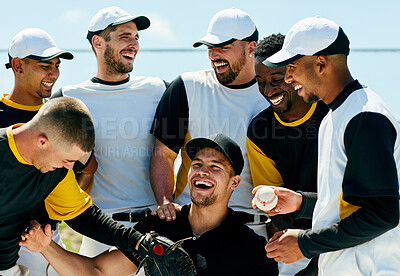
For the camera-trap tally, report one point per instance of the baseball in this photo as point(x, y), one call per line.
point(265, 198)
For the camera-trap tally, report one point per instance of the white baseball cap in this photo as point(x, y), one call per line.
point(308, 37)
point(113, 16)
point(227, 26)
point(36, 44)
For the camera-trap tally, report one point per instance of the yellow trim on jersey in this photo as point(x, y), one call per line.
point(181, 180)
point(345, 208)
point(263, 169)
point(20, 106)
point(299, 121)
point(67, 200)
point(13, 146)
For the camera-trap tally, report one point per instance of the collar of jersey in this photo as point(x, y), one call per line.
point(13, 146)
point(19, 106)
point(299, 121)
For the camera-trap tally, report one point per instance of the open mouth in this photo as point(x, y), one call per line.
point(47, 84)
point(298, 88)
point(220, 66)
point(203, 185)
point(129, 56)
point(276, 100)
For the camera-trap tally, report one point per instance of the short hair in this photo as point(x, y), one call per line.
point(105, 34)
point(269, 45)
point(67, 121)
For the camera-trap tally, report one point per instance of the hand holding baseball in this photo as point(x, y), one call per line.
point(288, 201)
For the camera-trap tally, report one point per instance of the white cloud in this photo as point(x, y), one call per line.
point(160, 28)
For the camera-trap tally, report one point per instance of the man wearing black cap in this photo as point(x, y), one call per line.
point(215, 237)
point(355, 225)
point(122, 106)
point(223, 99)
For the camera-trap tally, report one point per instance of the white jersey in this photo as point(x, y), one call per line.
point(122, 116)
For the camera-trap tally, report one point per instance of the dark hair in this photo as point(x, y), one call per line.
point(269, 45)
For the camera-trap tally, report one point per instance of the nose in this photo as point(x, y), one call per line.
point(54, 73)
point(269, 90)
point(134, 43)
point(213, 54)
point(203, 171)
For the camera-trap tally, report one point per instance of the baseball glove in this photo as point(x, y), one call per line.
point(160, 256)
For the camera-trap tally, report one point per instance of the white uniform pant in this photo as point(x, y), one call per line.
point(35, 262)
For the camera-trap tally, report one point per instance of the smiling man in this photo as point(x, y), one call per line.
point(122, 106)
point(282, 141)
point(223, 99)
point(214, 235)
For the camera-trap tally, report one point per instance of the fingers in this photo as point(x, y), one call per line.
point(167, 211)
point(254, 191)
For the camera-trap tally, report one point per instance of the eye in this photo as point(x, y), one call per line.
point(261, 86)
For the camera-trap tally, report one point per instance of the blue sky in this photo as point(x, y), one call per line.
point(177, 24)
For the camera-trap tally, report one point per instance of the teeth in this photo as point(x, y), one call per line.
point(220, 63)
point(47, 84)
point(277, 100)
point(129, 55)
point(298, 87)
point(203, 183)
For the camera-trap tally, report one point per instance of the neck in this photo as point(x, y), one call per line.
point(296, 113)
point(21, 96)
point(105, 75)
point(337, 79)
point(204, 219)
point(23, 141)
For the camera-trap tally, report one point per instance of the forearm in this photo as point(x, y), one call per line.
point(377, 216)
point(100, 227)
point(307, 205)
point(162, 173)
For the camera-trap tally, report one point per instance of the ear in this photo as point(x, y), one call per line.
point(17, 65)
point(98, 42)
point(252, 45)
point(321, 63)
point(235, 181)
point(42, 142)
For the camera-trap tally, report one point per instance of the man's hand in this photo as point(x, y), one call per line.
point(167, 211)
point(36, 238)
point(284, 247)
point(288, 201)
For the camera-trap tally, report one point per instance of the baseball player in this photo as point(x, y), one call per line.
point(282, 140)
point(214, 235)
point(355, 223)
point(197, 104)
point(34, 59)
point(122, 106)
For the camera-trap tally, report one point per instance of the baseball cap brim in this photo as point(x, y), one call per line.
point(281, 58)
point(193, 146)
point(142, 22)
point(213, 40)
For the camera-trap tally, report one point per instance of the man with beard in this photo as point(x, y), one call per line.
point(214, 235)
point(122, 107)
point(355, 219)
point(223, 99)
point(282, 141)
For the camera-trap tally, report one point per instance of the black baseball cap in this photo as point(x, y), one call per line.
point(221, 143)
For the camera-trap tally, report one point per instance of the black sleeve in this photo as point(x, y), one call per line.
point(371, 170)
point(307, 206)
point(97, 225)
point(376, 216)
point(172, 115)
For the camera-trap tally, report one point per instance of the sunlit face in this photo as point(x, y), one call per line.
point(227, 61)
point(272, 85)
point(52, 158)
point(209, 178)
point(39, 77)
point(121, 49)
point(301, 75)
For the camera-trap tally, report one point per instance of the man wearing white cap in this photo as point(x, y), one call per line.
point(34, 58)
point(122, 106)
point(196, 104)
point(355, 220)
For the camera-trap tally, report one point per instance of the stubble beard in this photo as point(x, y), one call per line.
point(233, 70)
point(113, 66)
point(204, 202)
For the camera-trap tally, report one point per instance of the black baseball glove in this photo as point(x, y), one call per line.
point(160, 256)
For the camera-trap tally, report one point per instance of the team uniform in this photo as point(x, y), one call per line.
point(232, 248)
point(197, 105)
point(12, 113)
point(122, 113)
point(23, 190)
point(285, 154)
point(358, 165)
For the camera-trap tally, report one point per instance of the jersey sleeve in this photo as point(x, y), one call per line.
point(67, 200)
point(371, 170)
point(263, 169)
point(170, 122)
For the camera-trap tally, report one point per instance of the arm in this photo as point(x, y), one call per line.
point(111, 262)
point(85, 176)
point(162, 180)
